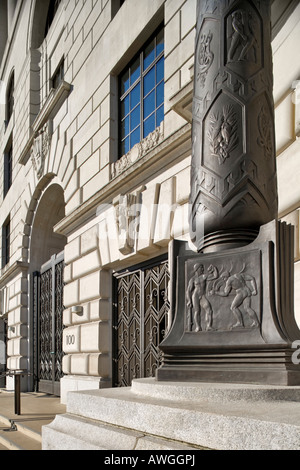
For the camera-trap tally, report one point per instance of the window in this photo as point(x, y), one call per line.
point(53, 7)
point(7, 170)
point(6, 243)
point(58, 75)
point(142, 93)
point(10, 99)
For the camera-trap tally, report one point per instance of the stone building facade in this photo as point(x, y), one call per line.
point(95, 145)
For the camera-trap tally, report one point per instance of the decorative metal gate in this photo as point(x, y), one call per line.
point(140, 322)
point(48, 320)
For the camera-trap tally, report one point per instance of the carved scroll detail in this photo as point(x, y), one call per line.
point(205, 57)
point(265, 132)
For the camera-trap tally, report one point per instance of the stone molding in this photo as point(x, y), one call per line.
point(138, 151)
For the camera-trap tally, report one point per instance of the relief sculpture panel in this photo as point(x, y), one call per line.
point(223, 293)
point(244, 40)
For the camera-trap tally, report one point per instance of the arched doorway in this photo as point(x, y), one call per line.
point(46, 267)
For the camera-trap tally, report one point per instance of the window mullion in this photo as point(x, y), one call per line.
point(142, 96)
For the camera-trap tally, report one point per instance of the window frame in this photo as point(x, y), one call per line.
point(6, 233)
point(10, 98)
point(59, 74)
point(7, 169)
point(139, 57)
point(52, 10)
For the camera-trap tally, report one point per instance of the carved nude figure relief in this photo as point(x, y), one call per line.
point(197, 300)
point(205, 309)
point(239, 284)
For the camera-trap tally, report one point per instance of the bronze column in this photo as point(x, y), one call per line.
point(234, 185)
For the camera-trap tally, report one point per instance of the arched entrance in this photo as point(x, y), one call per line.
point(46, 267)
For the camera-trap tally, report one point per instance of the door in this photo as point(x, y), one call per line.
point(48, 301)
point(140, 321)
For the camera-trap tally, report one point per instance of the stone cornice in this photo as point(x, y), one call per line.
point(10, 272)
point(170, 151)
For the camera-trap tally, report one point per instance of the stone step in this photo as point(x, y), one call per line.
point(70, 432)
point(215, 417)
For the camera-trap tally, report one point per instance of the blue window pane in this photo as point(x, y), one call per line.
point(149, 104)
point(149, 125)
point(160, 42)
point(159, 115)
point(125, 82)
point(135, 71)
point(125, 146)
point(135, 137)
point(160, 70)
point(125, 127)
point(135, 118)
point(125, 106)
point(159, 94)
point(149, 55)
point(149, 81)
point(135, 96)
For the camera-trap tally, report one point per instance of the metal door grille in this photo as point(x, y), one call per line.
point(140, 322)
point(48, 322)
point(45, 372)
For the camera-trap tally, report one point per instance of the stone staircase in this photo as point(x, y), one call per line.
point(152, 415)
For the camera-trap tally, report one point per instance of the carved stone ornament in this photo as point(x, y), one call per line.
point(138, 151)
point(127, 211)
point(40, 149)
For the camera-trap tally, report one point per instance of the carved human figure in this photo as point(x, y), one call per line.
point(238, 283)
point(243, 38)
point(196, 295)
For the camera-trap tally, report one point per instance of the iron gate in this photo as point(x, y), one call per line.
point(140, 322)
point(48, 323)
